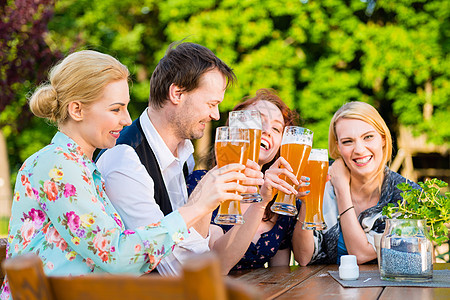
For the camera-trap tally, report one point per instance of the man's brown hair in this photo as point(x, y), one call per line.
point(183, 65)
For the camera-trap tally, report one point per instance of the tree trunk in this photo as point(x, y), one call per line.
point(5, 187)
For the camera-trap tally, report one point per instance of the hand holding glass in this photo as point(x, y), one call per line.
point(251, 120)
point(231, 146)
point(295, 148)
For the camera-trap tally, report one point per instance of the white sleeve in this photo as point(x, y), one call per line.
point(171, 265)
point(129, 186)
point(131, 190)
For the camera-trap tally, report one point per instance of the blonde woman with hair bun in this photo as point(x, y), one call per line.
point(60, 209)
point(360, 185)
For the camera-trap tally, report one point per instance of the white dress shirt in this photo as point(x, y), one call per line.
point(131, 189)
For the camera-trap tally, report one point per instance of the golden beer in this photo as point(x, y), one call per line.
point(295, 148)
point(251, 120)
point(255, 144)
point(296, 155)
point(230, 207)
point(317, 171)
point(231, 146)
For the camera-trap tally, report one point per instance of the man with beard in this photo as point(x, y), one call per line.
point(145, 172)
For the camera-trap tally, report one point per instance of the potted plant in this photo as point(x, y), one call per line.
point(419, 219)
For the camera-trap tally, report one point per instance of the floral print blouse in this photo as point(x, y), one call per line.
point(61, 212)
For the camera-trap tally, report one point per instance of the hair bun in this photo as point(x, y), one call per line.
point(44, 102)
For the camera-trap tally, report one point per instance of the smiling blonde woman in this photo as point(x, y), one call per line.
point(360, 185)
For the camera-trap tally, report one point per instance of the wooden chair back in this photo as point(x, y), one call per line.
point(3, 243)
point(201, 279)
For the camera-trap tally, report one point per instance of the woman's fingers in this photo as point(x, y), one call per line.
point(285, 172)
point(302, 194)
point(281, 162)
point(253, 173)
point(252, 165)
point(274, 181)
point(284, 187)
point(304, 180)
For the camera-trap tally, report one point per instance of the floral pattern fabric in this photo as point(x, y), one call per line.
point(61, 212)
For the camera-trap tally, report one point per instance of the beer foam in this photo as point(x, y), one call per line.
point(318, 155)
point(245, 119)
point(247, 124)
point(297, 139)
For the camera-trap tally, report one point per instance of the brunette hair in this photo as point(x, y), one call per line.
point(183, 65)
point(367, 113)
point(290, 117)
point(81, 76)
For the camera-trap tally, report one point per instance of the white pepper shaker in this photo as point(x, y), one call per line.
point(348, 270)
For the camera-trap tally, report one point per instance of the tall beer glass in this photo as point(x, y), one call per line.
point(251, 120)
point(231, 146)
point(295, 148)
point(316, 170)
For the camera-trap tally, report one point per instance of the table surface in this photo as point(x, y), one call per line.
point(314, 282)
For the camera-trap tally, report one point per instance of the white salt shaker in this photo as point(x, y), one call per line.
point(348, 270)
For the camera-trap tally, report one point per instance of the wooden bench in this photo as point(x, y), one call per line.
point(201, 280)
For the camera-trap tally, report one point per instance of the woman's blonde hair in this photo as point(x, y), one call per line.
point(366, 113)
point(81, 76)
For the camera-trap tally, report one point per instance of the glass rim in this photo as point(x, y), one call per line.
point(227, 129)
point(304, 129)
point(297, 135)
point(245, 119)
point(243, 110)
point(318, 154)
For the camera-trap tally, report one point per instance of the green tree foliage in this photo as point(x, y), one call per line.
point(127, 29)
point(321, 54)
point(24, 59)
point(316, 54)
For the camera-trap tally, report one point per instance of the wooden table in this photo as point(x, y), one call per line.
point(314, 282)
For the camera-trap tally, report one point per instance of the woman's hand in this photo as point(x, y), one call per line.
point(254, 177)
point(303, 188)
point(273, 181)
point(339, 174)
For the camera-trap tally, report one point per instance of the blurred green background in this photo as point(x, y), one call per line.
point(316, 54)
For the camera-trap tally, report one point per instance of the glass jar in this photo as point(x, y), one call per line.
point(406, 251)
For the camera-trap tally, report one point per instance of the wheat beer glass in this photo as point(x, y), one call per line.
point(231, 146)
point(295, 148)
point(317, 170)
point(251, 120)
